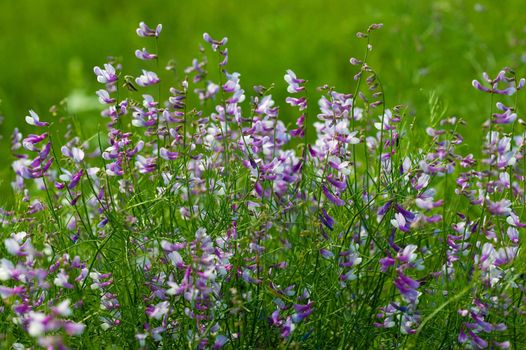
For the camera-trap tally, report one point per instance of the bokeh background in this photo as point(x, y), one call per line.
point(49, 47)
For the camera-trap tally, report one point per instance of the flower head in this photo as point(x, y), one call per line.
point(106, 75)
point(34, 119)
point(147, 78)
point(144, 31)
point(294, 82)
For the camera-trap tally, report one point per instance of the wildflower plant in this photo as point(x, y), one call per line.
point(196, 217)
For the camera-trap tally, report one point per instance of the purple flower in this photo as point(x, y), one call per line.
point(297, 102)
point(31, 140)
point(145, 165)
point(6, 292)
point(75, 153)
point(61, 280)
point(219, 342)
point(294, 82)
point(354, 61)
point(16, 139)
point(75, 179)
point(158, 311)
point(331, 197)
point(513, 234)
point(327, 254)
point(104, 97)
point(144, 31)
point(300, 131)
point(477, 85)
point(34, 119)
point(326, 219)
point(106, 75)
point(145, 55)
point(506, 117)
point(215, 43)
point(246, 276)
point(407, 287)
point(386, 263)
point(400, 222)
point(232, 83)
point(274, 318)
point(302, 312)
point(408, 254)
point(165, 154)
point(224, 53)
point(340, 185)
point(287, 328)
point(500, 208)
point(265, 106)
point(384, 208)
point(147, 78)
point(494, 89)
point(73, 328)
point(13, 248)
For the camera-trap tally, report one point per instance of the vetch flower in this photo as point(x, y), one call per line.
point(232, 83)
point(302, 311)
point(214, 43)
point(326, 254)
point(145, 55)
point(287, 328)
point(75, 179)
point(326, 219)
point(158, 311)
point(34, 119)
point(294, 82)
point(73, 328)
point(494, 83)
point(219, 342)
point(331, 197)
point(145, 165)
point(165, 154)
point(399, 222)
point(501, 208)
point(63, 308)
point(505, 117)
point(106, 75)
point(104, 97)
point(147, 78)
point(407, 287)
point(31, 140)
point(386, 263)
point(61, 280)
point(75, 153)
point(297, 102)
point(265, 106)
point(145, 31)
point(300, 131)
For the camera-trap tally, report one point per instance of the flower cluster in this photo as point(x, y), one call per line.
point(201, 218)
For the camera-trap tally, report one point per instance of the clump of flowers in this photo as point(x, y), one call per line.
point(201, 218)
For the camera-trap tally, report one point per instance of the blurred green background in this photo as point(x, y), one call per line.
point(49, 48)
